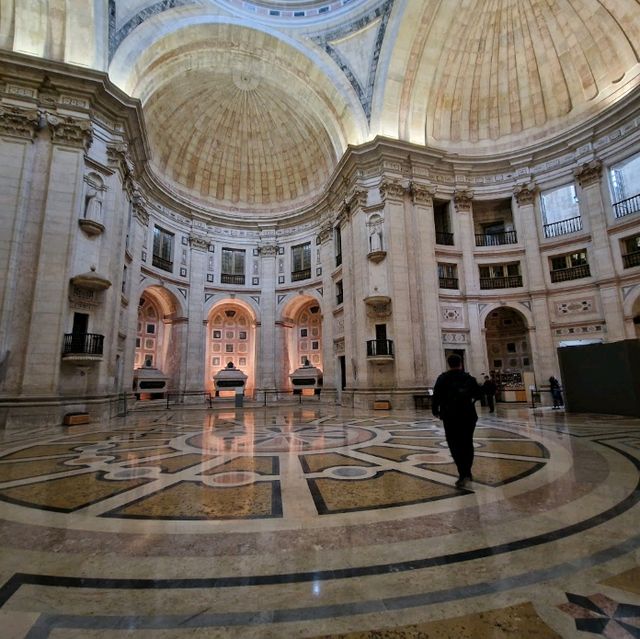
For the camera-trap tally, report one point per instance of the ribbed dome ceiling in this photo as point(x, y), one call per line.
point(235, 138)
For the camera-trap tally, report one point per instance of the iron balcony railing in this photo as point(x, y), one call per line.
point(448, 282)
point(229, 278)
point(496, 239)
point(380, 347)
point(443, 237)
point(82, 344)
point(511, 281)
point(628, 206)
point(571, 225)
point(304, 274)
point(631, 259)
point(571, 273)
point(160, 262)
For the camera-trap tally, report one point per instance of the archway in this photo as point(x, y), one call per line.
point(510, 363)
point(231, 338)
point(158, 339)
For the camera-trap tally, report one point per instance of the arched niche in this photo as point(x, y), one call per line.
point(231, 338)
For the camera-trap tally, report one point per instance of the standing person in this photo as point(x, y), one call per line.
point(453, 400)
point(556, 392)
point(489, 390)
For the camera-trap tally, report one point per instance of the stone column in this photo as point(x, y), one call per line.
point(540, 334)
point(18, 153)
point(196, 345)
point(423, 230)
point(462, 201)
point(327, 260)
point(398, 267)
point(267, 363)
point(70, 139)
point(600, 256)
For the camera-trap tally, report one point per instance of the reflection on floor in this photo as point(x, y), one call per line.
point(320, 522)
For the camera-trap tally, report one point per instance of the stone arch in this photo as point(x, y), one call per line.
point(301, 323)
point(160, 332)
point(232, 336)
point(174, 303)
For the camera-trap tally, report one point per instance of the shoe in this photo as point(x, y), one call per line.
point(461, 483)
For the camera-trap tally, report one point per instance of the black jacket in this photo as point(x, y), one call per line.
point(450, 402)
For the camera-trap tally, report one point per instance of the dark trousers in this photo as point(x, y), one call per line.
point(491, 403)
point(459, 434)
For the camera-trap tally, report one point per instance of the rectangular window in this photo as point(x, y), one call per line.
point(448, 275)
point(232, 266)
point(571, 266)
point(500, 275)
point(301, 262)
point(631, 251)
point(625, 186)
point(337, 243)
point(339, 293)
point(560, 204)
point(162, 249)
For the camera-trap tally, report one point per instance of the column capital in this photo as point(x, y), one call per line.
point(19, 123)
point(393, 190)
point(422, 193)
point(357, 198)
point(462, 200)
point(525, 193)
point(588, 173)
point(325, 233)
point(118, 157)
point(76, 132)
point(198, 242)
point(139, 207)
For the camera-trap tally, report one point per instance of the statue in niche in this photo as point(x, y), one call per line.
point(93, 198)
point(375, 234)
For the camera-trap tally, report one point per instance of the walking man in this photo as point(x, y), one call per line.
point(453, 400)
point(489, 390)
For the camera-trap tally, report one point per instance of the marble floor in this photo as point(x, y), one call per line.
point(320, 522)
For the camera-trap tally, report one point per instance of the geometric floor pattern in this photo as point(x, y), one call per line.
point(320, 522)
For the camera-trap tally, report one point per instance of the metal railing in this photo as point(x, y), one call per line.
point(304, 274)
point(571, 225)
point(631, 259)
point(496, 239)
point(443, 237)
point(82, 344)
point(628, 206)
point(571, 273)
point(511, 281)
point(379, 347)
point(448, 282)
point(161, 263)
point(229, 278)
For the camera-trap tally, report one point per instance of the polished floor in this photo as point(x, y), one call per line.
point(320, 522)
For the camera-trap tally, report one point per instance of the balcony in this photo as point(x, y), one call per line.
point(628, 206)
point(443, 237)
point(380, 350)
point(496, 239)
point(229, 278)
point(511, 281)
point(563, 227)
point(161, 263)
point(631, 259)
point(448, 282)
point(572, 273)
point(82, 347)
point(303, 274)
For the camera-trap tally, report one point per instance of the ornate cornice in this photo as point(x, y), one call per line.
point(525, 193)
point(588, 173)
point(198, 242)
point(392, 190)
point(422, 193)
point(268, 250)
point(70, 131)
point(357, 198)
point(19, 123)
point(462, 200)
